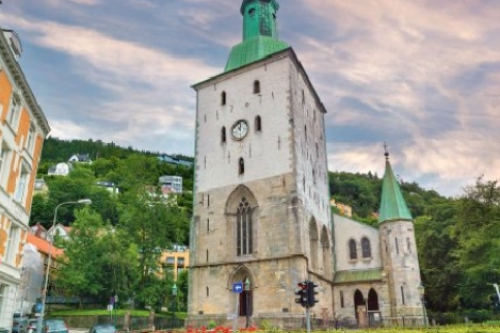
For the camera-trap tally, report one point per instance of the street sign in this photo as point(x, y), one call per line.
point(237, 287)
point(110, 307)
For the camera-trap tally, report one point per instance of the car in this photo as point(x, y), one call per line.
point(103, 328)
point(55, 326)
point(19, 324)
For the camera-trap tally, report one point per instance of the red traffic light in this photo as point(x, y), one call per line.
point(302, 285)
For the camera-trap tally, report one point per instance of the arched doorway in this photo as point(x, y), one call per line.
point(245, 298)
point(374, 316)
point(373, 300)
point(358, 301)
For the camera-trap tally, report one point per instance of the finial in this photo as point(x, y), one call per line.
point(386, 154)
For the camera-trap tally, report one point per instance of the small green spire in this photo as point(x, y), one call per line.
point(260, 35)
point(392, 204)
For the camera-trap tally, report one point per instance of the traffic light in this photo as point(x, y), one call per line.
point(311, 298)
point(302, 293)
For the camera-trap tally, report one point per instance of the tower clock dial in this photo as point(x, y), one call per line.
point(239, 130)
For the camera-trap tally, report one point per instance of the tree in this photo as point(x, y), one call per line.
point(82, 264)
point(478, 235)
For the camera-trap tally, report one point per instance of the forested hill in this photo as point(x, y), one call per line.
point(362, 192)
point(56, 150)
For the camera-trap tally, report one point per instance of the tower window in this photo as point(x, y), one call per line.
point(256, 87)
point(341, 299)
point(251, 11)
point(408, 243)
point(365, 246)
point(244, 237)
point(223, 98)
point(403, 295)
point(223, 134)
point(208, 292)
point(397, 245)
point(258, 124)
point(353, 254)
point(241, 166)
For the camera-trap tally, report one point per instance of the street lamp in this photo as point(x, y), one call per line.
point(49, 257)
point(247, 301)
point(174, 293)
point(421, 291)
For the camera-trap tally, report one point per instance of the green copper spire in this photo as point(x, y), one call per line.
point(392, 205)
point(260, 36)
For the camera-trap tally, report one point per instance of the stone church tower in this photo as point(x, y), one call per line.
point(261, 211)
point(399, 249)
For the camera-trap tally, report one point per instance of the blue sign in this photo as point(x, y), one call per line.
point(237, 287)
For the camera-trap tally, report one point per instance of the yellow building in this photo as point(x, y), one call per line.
point(345, 210)
point(23, 128)
point(173, 262)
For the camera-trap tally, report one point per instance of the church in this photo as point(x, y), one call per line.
point(262, 217)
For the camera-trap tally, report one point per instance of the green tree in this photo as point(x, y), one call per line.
point(82, 263)
point(478, 236)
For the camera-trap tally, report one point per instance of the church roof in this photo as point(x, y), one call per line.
point(260, 35)
point(392, 204)
point(361, 275)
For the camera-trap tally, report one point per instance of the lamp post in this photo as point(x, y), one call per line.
point(49, 257)
point(247, 302)
point(421, 291)
point(174, 293)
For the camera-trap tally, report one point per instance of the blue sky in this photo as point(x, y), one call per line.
point(423, 75)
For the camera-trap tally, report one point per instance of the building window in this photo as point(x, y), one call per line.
point(22, 185)
point(207, 255)
point(258, 124)
point(4, 162)
point(403, 295)
point(251, 11)
point(241, 166)
point(223, 135)
point(353, 254)
point(256, 87)
point(208, 292)
point(3, 295)
point(15, 106)
point(341, 299)
point(397, 245)
point(244, 234)
point(208, 226)
point(223, 98)
point(31, 139)
point(408, 244)
point(305, 132)
point(365, 247)
point(12, 244)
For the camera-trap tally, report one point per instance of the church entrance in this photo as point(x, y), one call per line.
point(245, 298)
point(360, 309)
point(374, 316)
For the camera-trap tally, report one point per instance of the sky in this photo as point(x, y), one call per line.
point(421, 75)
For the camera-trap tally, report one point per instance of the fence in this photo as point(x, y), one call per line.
point(135, 324)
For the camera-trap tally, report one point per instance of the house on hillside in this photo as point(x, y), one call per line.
point(80, 158)
point(59, 230)
point(40, 186)
point(110, 186)
point(174, 160)
point(173, 183)
point(60, 169)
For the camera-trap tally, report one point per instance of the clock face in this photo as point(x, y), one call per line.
point(239, 130)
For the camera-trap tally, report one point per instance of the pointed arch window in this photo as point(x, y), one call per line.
point(353, 253)
point(223, 98)
point(365, 248)
point(244, 235)
point(223, 134)
point(258, 124)
point(241, 166)
point(256, 87)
